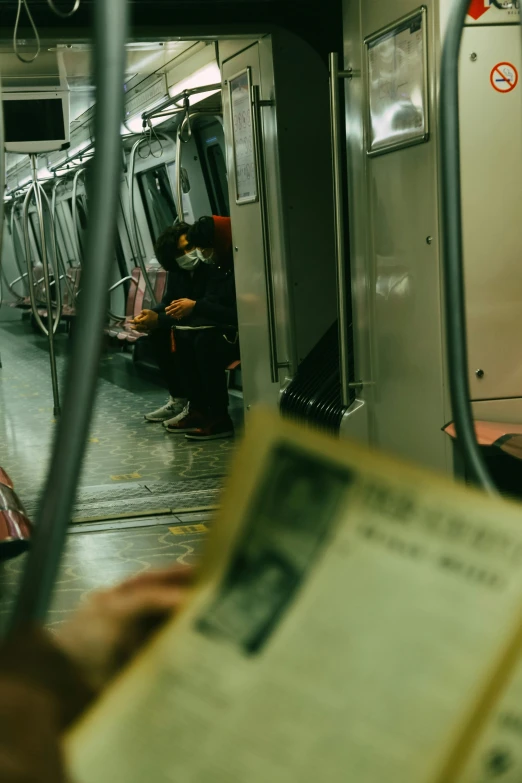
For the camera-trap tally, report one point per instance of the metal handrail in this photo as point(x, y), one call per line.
point(147, 115)
point(54, 513)
point(13, 282)
point(129, 278)
point(257, 126)
point(70, 158)
point(30, 277)
point(52, 326)
point(132, 212)
point(454, 287)
point(340, 257)
point(120, 282)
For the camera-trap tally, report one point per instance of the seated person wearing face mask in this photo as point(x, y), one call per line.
point(205, 330)
point(172, 244)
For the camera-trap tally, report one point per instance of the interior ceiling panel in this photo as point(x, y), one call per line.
point(143, 59)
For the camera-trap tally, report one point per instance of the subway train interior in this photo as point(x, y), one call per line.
point(337, 172)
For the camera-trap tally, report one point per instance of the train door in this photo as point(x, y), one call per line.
point(280, 193)
point(264, 347)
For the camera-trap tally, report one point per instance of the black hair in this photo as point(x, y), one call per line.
point(166, 247)
point(201, 234)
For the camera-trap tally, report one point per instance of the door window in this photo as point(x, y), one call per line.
point(158, 200)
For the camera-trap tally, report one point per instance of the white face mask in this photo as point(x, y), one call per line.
point(188, 261)
point(205, 259)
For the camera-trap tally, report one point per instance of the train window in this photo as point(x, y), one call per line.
point(218, 171)
point(64, 226)
point(82, 220)
point(121, 263)
point(33, 217)
point(208, 140)
point(61, 244)
point(157, 200)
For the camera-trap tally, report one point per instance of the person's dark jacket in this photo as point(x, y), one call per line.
point(213, 289)
point(211, 286)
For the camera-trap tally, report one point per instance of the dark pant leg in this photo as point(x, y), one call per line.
point(168, 362)
point(188, 370)
point(213, 354)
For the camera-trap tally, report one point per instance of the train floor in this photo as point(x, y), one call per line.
point(145, 496)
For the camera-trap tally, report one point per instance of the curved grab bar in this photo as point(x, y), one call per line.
point(120, 282)
point(13, 282)
point(454, 287)
point(38, 190)
point(111, 25)
point(32, 282)
point(132, 212)
point(54, 254)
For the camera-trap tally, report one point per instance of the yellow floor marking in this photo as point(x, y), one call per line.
point(126, 476)
point(95, 440)
point(184, 530)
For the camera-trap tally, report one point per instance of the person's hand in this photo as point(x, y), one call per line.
point(180, 308)
point(146, 321)
point(110, 627)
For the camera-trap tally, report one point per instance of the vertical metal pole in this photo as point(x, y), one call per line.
point(257, 130)
point(454, 288)
point(179, 184)
point(111, 25)
point(47, 281)
point(342, 308)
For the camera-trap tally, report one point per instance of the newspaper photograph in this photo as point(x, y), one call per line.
point(350, 623)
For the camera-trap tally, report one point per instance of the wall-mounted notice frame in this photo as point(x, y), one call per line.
point(397, 58)
point(240, 91)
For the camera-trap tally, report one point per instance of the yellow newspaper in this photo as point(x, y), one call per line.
point(356, 620)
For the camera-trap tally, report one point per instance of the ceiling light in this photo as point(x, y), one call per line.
point(210, 74)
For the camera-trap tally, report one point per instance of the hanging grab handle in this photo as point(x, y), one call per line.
point(453, 250)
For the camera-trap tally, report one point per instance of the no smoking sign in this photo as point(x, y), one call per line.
point(504, 77)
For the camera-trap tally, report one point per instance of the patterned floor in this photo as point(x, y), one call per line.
point(123, 449)
point(122, 446)
point(95, 560)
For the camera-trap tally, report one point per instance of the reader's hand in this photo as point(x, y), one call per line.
point(180, 308)
point(146, 321)
point(110, 627)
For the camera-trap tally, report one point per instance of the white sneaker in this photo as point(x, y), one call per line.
point(178, 417)
point(175, 406)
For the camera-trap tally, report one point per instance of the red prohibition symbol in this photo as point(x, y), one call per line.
point(504, 77)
